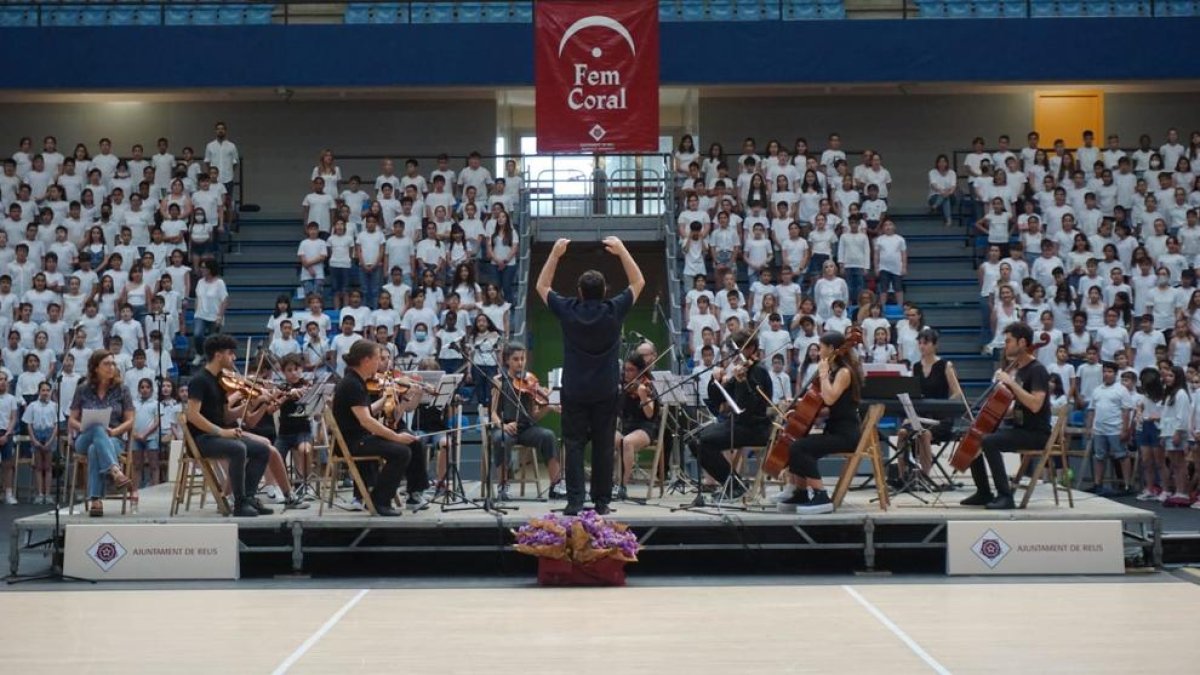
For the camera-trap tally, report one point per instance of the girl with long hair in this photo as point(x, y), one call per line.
point(840, 379)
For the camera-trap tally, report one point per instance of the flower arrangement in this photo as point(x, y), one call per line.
point(581, 539)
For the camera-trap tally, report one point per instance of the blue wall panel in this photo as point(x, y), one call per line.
point(1045, 50)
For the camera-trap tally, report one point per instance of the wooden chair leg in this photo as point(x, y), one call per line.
point(880, 476)
point(1033, 479)
point(843, 484)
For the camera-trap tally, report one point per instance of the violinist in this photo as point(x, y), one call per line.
point(258, 424)
point(840, 380)
point(1030, 421)
point(393, 396)
point(213, 424)
point(295, 431)
point(365, 435)
point(639, 418)
point(751, 427)
point(516, 409)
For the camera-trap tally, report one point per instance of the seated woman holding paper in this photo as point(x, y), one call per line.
point(99, 434)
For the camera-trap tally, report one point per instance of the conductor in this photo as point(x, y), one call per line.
point(591, 328)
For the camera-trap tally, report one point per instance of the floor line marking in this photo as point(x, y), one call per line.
point(320, 633)
point(896, 630)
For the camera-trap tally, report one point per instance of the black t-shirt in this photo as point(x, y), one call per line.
point(507, 406)
point(934, 384)
point(1033, 378)
point(591, 332)
point(291, 424)
point(213, 403)
point(746, 395)
point(351, 392)
point(633, 415)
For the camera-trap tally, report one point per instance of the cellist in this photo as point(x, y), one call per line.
point(751, 427)
point(840, 380)
point(1029, 383)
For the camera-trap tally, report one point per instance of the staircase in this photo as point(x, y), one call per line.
point(942, 281)
point(259, 266)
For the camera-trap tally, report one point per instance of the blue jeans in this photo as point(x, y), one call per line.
point(200, 330)
point(101, 450)
point(370, 283)
point(854, 281)
point(508, 281)
point(312, 286)
point(946, 204)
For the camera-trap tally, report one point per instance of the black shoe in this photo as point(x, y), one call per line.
point(258, 506)
point(572, 509)
point(978, 499)
point(817, 504)
point(244, 509)
point(1001, 503)
point(386, 511)
point(557, 492)
point(800, 496)
point(602, 509)
point(621, 494)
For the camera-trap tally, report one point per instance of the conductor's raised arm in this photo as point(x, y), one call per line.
point(637, 282)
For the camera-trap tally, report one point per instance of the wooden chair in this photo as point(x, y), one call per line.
point(759, 489)
point(77, 465)
point(868, 448)
point(658, 467)
point(1044, 459)
point(197, 475)
point(339, 455)
point(527, 460)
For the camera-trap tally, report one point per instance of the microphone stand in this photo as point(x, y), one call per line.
point(487, 497)
point(54, 541)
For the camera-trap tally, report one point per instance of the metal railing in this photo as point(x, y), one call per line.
point(100, 13)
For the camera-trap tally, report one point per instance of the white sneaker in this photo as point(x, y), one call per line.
point(274, 495)
point(1145, 496)
point(1195, 505)
point(355, 505)
point(1162, 497)
point(783, 494)
point(10, 499)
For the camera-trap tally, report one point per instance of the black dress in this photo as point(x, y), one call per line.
point(936, 384)
point(841, 434)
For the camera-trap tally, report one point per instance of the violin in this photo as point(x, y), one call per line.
point(996, 402)
point(231, 382)
point(799, 419)
point(528, 384)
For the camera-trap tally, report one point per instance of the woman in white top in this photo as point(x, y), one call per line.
point(1005, 313)
point(494, 307)
point(809, 200)
point(942, 184)
point(708, 167)
point(136, 293)
point(502, 252)
point(327, 169)
point(907, 332)
point(484, 343)
point(176, 196)
point(212, 299)
point(828, 288)
point(468, 290)
point(685, 154)
point(878, 176)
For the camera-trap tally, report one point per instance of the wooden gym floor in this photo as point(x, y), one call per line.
point(683, 626)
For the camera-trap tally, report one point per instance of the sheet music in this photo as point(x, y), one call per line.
point(94, 417)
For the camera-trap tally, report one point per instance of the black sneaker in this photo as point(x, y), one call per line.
point(387, 511)
point(416, 502)
point(557, 491)
point(243, 509)
point(258, 506)
point(1001, 503)
point(602, 509)
point(799, 497)
point(572, 509)
point(817, 504)
point(620, 494)
point(978, 499)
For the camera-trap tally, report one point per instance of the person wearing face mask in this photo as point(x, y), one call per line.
point(201, 234)
point(422, 345)
point(1161, 301)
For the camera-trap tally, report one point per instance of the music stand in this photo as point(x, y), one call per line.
point(679, 393)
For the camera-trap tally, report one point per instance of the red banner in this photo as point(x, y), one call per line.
point(596, 68)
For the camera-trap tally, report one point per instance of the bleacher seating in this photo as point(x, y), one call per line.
point(130, 14)
point(1046, 9)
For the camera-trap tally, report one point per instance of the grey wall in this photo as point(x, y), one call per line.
point(910, 131)
point(1132, 115)
point(278, 140)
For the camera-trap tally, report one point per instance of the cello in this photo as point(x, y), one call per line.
point(996, 402)
point(799, 419)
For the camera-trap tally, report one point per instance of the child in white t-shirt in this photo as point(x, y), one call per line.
point(312, 254)
point(759, 251)
point(341, 262)
point(318, 206)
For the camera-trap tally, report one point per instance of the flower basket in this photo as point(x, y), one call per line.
point(604, 572)
point(584, 550)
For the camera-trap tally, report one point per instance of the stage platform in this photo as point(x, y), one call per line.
point(859, 531)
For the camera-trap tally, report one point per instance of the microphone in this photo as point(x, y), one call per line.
point(640, 338)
